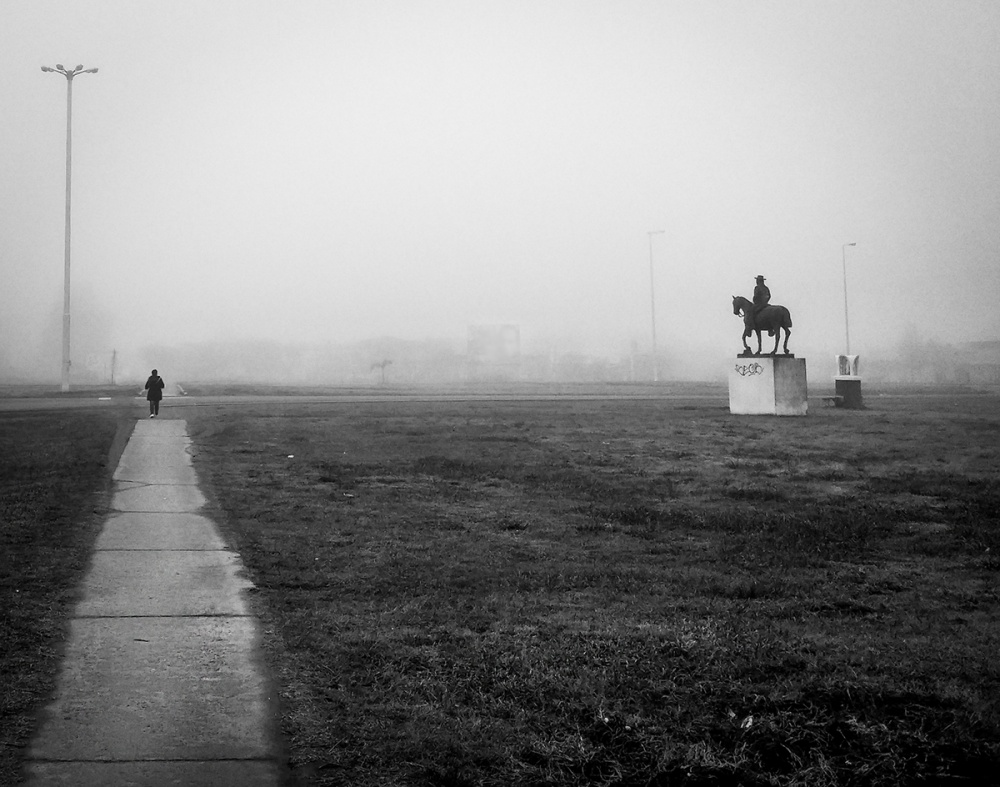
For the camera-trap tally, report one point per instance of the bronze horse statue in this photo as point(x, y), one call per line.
point(772, 319)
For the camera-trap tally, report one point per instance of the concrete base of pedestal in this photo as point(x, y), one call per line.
point(848, 390)
point(768, 385)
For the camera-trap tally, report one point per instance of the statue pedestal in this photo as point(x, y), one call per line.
point(768, 385)
point(848, 391)
point(847, 384)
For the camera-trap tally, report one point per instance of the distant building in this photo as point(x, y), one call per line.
point(979, 363)
point(494, 352)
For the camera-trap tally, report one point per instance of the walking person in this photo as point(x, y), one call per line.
point(154, 393)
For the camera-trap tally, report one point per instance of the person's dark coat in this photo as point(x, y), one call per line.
point(154, 388)
point(761, 297)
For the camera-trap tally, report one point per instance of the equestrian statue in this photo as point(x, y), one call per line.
point(761, 315)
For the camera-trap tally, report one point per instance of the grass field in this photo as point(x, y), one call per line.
point(622, 592)
point(54, 475)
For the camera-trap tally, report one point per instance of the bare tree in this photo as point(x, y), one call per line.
point(381, 367)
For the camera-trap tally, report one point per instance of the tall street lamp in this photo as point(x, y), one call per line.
point(847, 330)
point(59, 69)
point(652, 303)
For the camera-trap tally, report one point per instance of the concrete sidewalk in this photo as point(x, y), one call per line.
point(161, 683)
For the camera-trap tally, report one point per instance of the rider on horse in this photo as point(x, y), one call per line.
point(761, 315)
point(761, 296)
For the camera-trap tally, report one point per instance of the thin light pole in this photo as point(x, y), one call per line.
point(847, 330)
point(59, 69)
point(652, 303)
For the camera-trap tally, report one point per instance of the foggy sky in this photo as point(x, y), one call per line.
point(330, 171)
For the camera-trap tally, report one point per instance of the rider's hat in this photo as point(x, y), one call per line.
point(760, 278)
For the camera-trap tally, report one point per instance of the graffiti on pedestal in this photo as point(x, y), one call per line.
point(749, 369)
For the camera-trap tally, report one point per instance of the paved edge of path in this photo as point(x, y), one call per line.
point(162, 681)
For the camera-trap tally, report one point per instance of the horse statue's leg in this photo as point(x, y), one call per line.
point(747, 330)
point(758, 342)
point(788, 332)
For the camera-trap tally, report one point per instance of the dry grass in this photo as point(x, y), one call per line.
point(54, 471)
point(622, 592)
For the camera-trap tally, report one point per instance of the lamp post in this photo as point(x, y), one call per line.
point(60, 69)
point(652, 303)
point(847, 330)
